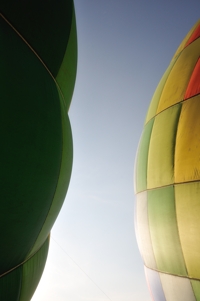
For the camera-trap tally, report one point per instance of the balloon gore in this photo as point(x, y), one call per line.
point(38, 68)
point(167, 179)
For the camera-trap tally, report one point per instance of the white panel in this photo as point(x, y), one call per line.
point(142, 229)
point(177, 288)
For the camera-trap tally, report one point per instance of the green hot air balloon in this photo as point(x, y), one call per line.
point(38, 56)
point(167, 179)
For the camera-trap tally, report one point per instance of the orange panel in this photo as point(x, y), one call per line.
point(193, 87)
point(194, 36)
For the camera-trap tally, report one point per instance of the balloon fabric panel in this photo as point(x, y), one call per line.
point(156, 96)
point(38, 68)
point(188, 210)
point(187, 158)
point(155, 286)
point(142, 158)
point(193, 87)
point(194, 36)
point(160, 171)
point(32, 270)
point(33, 148)
point(164, 231)
point(196, 288)
point(45, 25)
point(177, 288)
point(10, 285)
point(177, 82)
point(67, 71)
point(168, 209)
point(144, 238)
point(63, 180)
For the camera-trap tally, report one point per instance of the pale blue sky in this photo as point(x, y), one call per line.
point(123, 49)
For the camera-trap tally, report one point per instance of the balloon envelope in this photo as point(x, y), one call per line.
point(167, 179)
point(38, 68)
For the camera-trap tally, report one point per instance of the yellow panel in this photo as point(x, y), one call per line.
point(156, 96)
point(187, 152)
point(176, 84)
point(161, 150)
point(143, 233)
point(188, 219)
point(182, 45)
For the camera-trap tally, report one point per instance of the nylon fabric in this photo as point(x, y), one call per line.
point(30, 162)
point(187, 150)
point(10, 285)
point(164, 231)
point(184, 42)
point(177, 288)
point(177, 82)
point(196, 288)
point(38, 57)
point(67, 71)
point(168, 209)
point(193, 87)
point(32, 271)
point(142, 220)
point(160, 172)
point(142, 158)
point(63, 180)
point(157, 94)
point(188, 211)
point(155, 285)
point(52, 20)
point(195, 35)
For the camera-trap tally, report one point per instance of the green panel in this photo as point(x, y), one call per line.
point(44, 24)
point(32, 272)
point(156, 96)
point(196, 288)
point(10, 285)
point(188, 213)
point(162, 147)
point(63, 181)
point(67, 72)
point(31, 131)
point(142, 158)
point(164, 231)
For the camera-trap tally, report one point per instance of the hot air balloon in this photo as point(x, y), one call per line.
point(38, 57)
point(167, 179)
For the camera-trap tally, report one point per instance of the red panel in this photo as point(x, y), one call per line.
point(193, 87)
point(194, 36)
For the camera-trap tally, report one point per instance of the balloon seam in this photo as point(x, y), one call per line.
point(35, 53)
point(27, 259)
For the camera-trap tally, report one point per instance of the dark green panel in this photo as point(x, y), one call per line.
point(196, 288)
point(44, 24)
point(142, 158)
point(63, 181)
point(67, 71)
point(164, 231)
point(31, 147)
point(10, 285)
point(32, 272)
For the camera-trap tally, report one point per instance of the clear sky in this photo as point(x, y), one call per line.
point(124, 47)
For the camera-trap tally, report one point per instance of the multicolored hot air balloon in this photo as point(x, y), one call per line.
point(38, 57)
point(167, 179)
